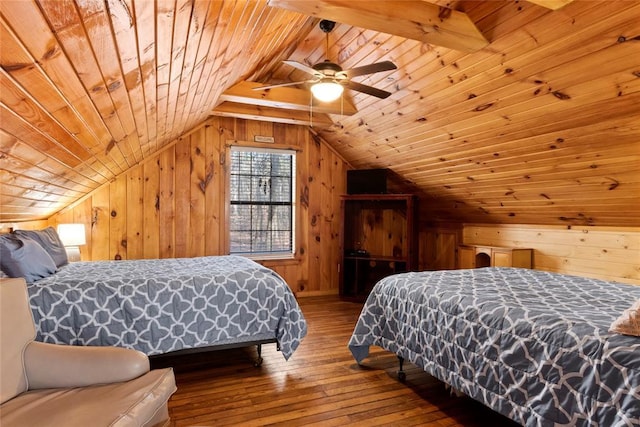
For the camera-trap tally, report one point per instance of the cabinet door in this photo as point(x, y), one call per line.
point(501, 258)
point(466, 257)
point(521, 258)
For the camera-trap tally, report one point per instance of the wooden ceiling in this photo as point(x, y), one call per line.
point(501, 111)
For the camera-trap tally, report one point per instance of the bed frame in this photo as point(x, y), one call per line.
point(257, 362)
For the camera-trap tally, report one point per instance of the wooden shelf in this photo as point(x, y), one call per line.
point(383, 226)
point(376, 258)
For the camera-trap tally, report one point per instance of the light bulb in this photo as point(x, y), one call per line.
point(327, 90)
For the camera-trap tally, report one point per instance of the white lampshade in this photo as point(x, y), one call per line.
point(72, 234)
point(327, 90)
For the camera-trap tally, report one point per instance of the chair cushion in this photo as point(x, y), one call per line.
point(16, 331)
point(130, 403)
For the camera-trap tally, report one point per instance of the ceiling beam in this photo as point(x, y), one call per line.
point(551, 4)
point(285, 97)
point(269, 114)
point(411, 19)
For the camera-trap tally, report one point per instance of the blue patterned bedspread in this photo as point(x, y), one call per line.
point(158, 306)
point(532, 345)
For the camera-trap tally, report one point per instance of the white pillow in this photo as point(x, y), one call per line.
point(629, 322)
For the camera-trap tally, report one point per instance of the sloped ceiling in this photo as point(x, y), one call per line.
point(540, 126)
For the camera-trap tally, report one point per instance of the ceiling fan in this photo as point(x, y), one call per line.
point(329, 79)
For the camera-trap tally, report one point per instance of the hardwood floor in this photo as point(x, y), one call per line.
point(320, 385)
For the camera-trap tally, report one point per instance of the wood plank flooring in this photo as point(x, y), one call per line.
point(320, 385)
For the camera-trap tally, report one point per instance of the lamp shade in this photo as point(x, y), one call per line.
point(72, 234)
point(327, 90)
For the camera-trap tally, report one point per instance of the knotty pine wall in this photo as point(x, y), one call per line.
point(174, 204)
point(610, 253)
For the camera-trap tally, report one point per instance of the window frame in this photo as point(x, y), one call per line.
point(272, 148)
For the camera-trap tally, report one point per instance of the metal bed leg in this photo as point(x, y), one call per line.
point(259, 360)
point(401, 373)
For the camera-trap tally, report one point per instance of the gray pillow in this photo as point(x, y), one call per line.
point(50, 242)
point(24, 257)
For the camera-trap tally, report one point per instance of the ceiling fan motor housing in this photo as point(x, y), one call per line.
point(328, 68)
point(326, 26)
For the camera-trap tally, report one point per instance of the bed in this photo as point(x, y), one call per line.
point(168, 305)
point(532, 345)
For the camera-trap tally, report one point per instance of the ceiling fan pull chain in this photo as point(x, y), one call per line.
point(311, 110)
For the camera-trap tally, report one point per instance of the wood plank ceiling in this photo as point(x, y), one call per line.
point(538, 124)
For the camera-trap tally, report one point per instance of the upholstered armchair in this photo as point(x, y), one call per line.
point(57, 385)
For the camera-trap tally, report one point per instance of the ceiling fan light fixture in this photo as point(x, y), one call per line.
point(327, 90)
point(329, 79)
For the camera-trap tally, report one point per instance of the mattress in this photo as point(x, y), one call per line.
point(163, 305)
point(532, 345)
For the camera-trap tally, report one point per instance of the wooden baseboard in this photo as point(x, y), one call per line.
point(330, 292)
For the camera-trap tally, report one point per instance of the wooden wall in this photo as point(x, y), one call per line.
point(174, 204)
point(610, 253)
point(7, 227)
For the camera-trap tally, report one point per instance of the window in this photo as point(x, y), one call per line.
point(262, 214)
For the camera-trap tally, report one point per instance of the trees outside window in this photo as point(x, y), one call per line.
point(262, 212)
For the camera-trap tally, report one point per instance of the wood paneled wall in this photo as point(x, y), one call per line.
point(7, 227)
point(610, 253)
point(174, 204)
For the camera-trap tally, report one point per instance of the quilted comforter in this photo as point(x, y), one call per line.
point(159, 306)
point(532, 345)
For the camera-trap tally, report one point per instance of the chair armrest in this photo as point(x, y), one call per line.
point(62, 366)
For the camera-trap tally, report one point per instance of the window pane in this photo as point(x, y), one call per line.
point(281, 166)
point(261, 217)
point(281, 241)
point(281, 188)
point(261, 241)
point(233, 186)
point(241, 242)
point(261, 163)
point(240, 218)
point(261, 188)
point(281, 218)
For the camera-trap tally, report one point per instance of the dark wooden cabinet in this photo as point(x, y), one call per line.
point(379, 238)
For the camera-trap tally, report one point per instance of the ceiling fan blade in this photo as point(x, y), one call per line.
point(369, 90)
point(280, 85)
point(303, 67)
point(370, 69)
